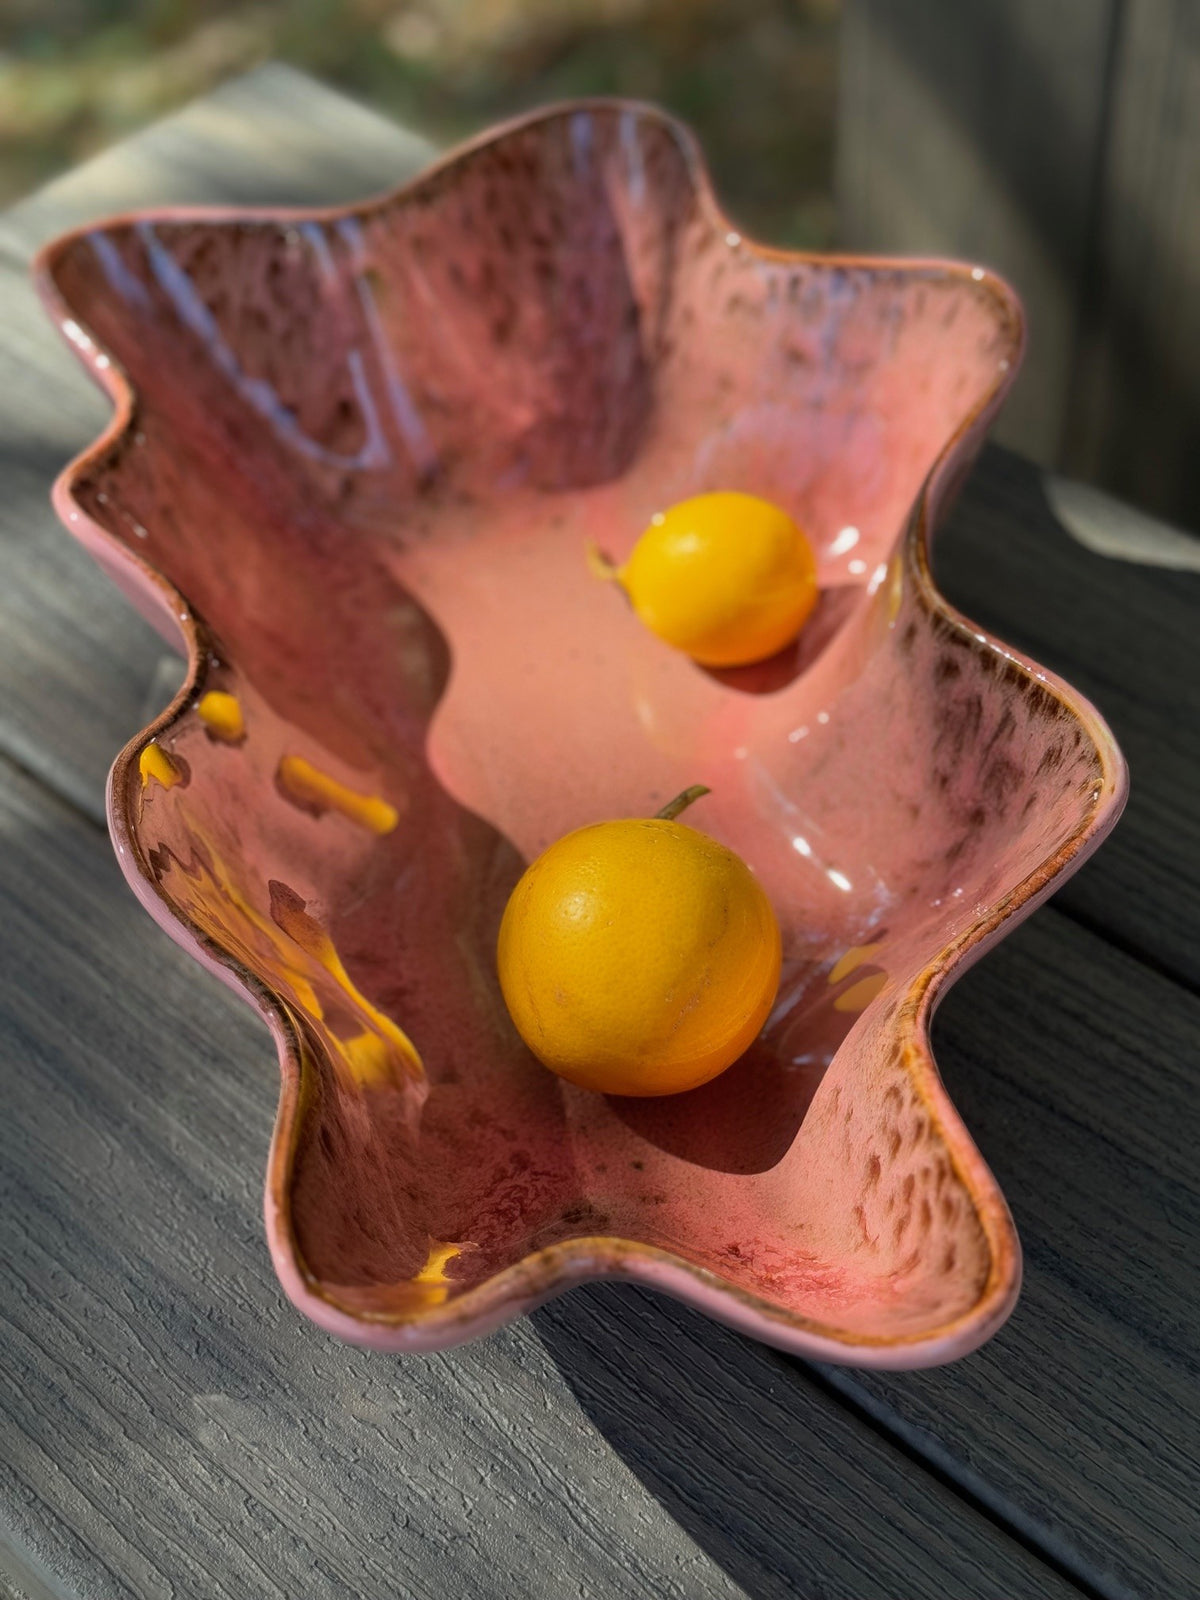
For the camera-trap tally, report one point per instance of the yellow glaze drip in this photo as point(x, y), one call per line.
point(222, 716)
point(293, 951)
point(312, 787)
point(428, 1286)
point(211, 896)
point(368, 1057)
point(859, 995)
point(432, 1276)
point(156, 766)
point(368, 1062)
point(854, 957)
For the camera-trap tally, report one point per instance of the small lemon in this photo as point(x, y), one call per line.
point(727, 578)
point(639, 957)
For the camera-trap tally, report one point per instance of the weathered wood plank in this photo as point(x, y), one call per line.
point(1061, 144)
point(172, 1427)
point(75, 660)
point(674, 1469)
point(18, 1578)
point(1080, 1420)
point(273, 137)
point(1125, 634)
point(1135, 400)
point(972, 131)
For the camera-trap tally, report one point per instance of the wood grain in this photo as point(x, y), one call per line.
point(273, 137)
point(148, 1421)
point(1079, 1421)
point(1134, 423)
point(75, 660)
point(173, 1428)
point(1061, 145)
point(971, 131)
point(1125, 635)
point(145, 1107)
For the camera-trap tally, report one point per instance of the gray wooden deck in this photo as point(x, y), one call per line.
point(171, 1427)
point(1060, 144)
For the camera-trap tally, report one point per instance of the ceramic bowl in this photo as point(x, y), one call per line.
point(355, 459)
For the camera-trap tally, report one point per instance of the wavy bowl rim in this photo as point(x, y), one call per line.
point(552, 1270)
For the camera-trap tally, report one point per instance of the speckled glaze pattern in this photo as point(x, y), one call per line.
point(355, 459)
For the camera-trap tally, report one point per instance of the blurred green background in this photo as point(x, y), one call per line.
point(756, 78)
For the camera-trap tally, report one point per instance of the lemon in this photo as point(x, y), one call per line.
point(639, 957)
point(727, 578)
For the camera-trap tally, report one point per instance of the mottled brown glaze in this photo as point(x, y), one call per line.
point(355, 460)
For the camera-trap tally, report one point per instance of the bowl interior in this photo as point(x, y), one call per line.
point(368, 448)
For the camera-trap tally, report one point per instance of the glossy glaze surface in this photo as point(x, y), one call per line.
point(356, 461)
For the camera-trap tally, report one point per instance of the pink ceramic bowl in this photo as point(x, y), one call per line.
point(355, 458)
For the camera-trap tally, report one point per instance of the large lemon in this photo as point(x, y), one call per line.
point(727, 578)
point(639, 957)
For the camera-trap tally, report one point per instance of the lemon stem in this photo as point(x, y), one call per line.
point(601, 566)
point(681, 802)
